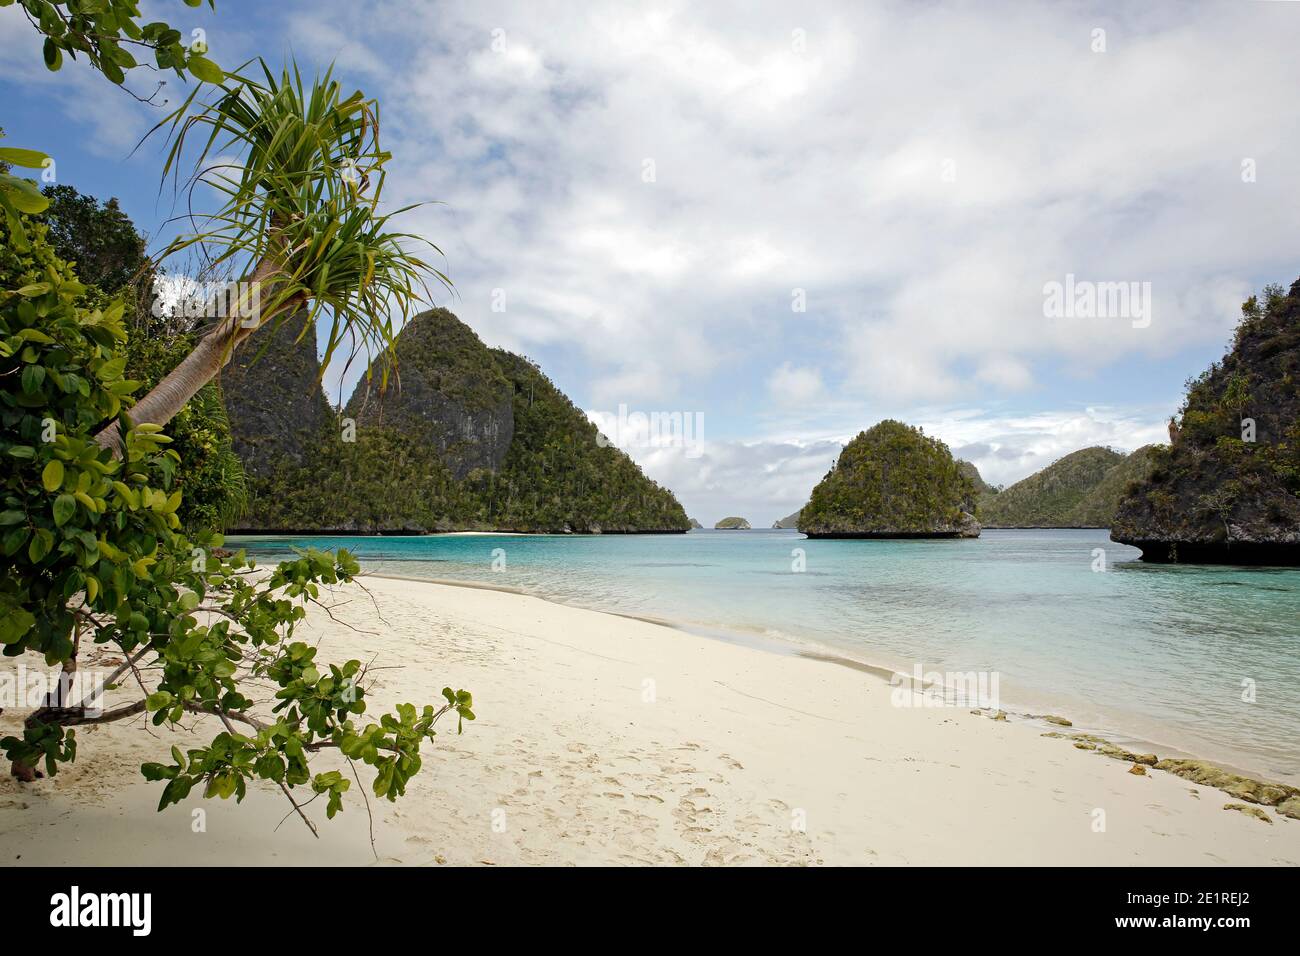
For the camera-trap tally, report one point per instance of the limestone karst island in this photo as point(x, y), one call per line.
point(618, 435)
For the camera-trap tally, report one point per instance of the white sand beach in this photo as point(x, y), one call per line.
point(606, 740)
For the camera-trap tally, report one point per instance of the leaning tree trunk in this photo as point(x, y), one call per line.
point(56, 700)
point(197, 369)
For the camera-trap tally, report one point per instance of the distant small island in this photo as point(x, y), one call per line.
point(732, 524)
point(892, 481)
point(789, 522)
point(694, 524)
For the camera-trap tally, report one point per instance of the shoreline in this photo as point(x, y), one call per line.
point(602, 739)
point(819, 651)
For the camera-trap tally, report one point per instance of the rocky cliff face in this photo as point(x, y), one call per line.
point(892, 481)
point(444, 391)
point(273, 397)
point(979, 487)
point(462, 438)
point(1228, 488)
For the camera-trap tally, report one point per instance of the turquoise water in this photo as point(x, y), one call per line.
point(1141, 652)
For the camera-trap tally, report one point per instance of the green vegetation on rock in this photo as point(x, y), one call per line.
point(732, 524)
point(1228, 488)
point(1049, 498)
point(1098, 506)
point(892, 481)
point(463, 438)
point(790, 521)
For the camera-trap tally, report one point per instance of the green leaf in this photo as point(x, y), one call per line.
point(204, 69)
point(28, 158)
point(14, 624)
point(52, 475)
point(112, 71)
point(65, 506)
point(22, 195)
point(53, 55)
point(40, 545)
point(112, 369)
point(33, 376)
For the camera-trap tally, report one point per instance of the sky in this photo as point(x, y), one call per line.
point(786, 222)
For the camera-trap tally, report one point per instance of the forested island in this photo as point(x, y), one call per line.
point(892, 481)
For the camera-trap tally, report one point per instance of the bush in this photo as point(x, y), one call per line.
point(91, 550)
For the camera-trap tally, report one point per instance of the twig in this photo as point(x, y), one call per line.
point(369, 814)
point(285, 790)
point(373, 600)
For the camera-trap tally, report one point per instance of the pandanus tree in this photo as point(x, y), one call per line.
point(91, 550)
point(300, 222)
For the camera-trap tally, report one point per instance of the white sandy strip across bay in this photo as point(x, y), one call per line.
point(606, 740)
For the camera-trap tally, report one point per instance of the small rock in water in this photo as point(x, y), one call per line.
point(1053, 719)
point(1138, 769)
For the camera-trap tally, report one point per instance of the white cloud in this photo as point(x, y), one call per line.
point(828, 170)
point(790, 385)
point(759, 481)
